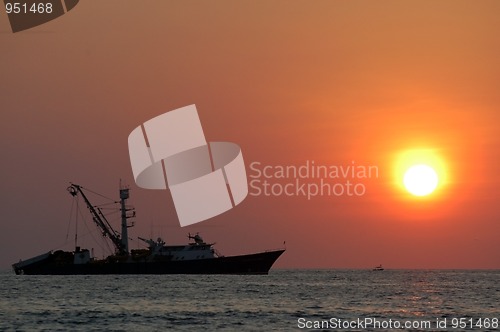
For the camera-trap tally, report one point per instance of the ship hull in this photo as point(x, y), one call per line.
point(259, 263)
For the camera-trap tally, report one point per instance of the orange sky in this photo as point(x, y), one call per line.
point(289, 81)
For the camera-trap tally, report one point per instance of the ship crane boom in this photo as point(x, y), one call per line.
point(101, 221)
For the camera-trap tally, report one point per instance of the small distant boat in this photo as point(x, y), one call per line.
point(378, 268)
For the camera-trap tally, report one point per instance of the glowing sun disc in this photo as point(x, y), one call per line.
point(420, 180)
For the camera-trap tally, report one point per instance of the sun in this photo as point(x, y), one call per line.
point(421, 173)
point(420, 180)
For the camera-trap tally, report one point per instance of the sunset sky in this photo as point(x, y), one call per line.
point(334, 82)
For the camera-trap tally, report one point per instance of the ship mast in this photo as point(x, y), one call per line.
point(124, 195)
point(120, 242)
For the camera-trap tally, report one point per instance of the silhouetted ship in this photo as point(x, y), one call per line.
point(197, 257)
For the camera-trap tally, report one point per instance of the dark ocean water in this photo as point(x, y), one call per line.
point(284, 300)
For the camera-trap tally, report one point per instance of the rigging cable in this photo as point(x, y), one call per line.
point(99, 243)
point(99, 194)
point(70, 217)
point(76, 223)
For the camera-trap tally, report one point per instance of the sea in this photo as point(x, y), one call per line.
point(284, 300)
